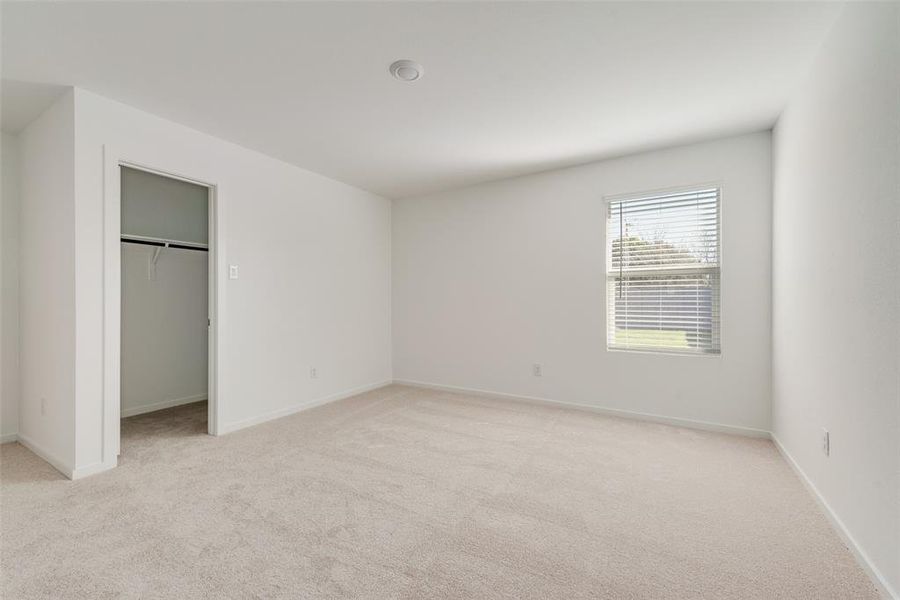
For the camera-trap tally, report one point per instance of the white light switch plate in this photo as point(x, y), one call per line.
point(232, 272)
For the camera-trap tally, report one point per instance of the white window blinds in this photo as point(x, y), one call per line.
point(663, 274)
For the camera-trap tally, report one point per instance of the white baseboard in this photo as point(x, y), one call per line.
point(7, 438)
point(283, 412)
point(95, 468)
point(54, 461)
point(884, 588)
point(613, 412)
point(145, 408)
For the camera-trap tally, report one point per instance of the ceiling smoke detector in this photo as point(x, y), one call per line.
point(407, 70)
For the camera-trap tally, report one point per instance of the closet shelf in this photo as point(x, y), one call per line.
point(163, 243)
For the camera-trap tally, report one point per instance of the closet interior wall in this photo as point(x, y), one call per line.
point(164, 292)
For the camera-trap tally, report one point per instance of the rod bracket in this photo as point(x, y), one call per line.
point(151, 267)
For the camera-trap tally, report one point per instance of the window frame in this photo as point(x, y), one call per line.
point(607, 200)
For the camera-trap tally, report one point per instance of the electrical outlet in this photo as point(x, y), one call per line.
point(43, 406)
point(537, 370)
point(313, 374)
point(232, 271)
point(826, 442)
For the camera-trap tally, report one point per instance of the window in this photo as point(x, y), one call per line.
point(663, 274)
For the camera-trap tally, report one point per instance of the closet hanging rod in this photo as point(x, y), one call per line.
point(163, 243)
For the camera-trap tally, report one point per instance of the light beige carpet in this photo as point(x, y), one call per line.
point(409, 493)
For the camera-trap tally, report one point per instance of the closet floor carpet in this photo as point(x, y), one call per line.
point(410, 493)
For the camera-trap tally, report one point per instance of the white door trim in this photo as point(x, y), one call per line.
point(113, 158)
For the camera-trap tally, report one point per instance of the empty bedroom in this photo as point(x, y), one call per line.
point(450, 300)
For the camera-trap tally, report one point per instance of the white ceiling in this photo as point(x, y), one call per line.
point(509, 87)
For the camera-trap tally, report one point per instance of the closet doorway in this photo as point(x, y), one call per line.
point(166, 275)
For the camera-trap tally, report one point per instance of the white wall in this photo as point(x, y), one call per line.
point(164, 330)
point(314, 258)
point(47, 285)
point(492, 278)
point(836, 315)
point(9, 289)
